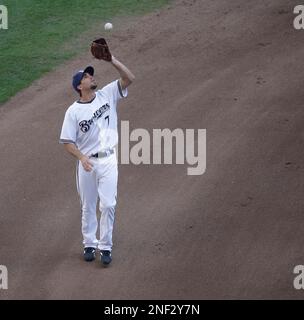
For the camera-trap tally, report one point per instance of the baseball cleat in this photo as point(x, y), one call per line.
point(89, 254)
point(105, 257)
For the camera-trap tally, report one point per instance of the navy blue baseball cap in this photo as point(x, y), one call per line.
point(79, 75)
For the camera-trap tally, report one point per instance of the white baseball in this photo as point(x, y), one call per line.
point(108, 26)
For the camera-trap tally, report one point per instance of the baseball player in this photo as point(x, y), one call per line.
point(89, 133)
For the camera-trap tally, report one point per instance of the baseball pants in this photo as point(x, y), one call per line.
point(100, 183)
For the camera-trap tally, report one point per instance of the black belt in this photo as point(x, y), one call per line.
point(103, 154)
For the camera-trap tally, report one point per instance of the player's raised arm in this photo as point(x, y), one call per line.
point(127, 77)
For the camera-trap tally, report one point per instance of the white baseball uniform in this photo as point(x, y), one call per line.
point(92, 127)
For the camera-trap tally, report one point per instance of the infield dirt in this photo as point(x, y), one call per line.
point(231, 67)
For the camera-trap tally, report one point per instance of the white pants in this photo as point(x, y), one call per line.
point(100, 183)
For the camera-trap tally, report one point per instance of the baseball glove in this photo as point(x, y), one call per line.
point(100, 50)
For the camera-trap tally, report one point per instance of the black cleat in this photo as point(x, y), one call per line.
point(89, 254)
point(105, 257)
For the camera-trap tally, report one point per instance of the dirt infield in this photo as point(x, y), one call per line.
point(231, 67)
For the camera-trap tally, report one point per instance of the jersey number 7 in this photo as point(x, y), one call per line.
point(108, 117)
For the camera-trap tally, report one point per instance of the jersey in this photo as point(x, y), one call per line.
point(92, 126)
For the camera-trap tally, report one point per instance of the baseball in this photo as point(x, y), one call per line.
point(108, 26)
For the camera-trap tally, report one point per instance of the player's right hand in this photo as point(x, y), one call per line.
point(86, 163)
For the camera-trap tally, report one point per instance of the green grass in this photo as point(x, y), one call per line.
point(44, 33)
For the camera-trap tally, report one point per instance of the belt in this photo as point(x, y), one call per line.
point(102, 154)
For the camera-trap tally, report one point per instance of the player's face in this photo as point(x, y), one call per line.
point(88, 82)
